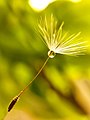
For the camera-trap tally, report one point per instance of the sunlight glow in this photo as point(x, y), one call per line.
point(39, 5)
point(75, 1)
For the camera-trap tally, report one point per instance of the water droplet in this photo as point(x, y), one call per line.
point(51, 54)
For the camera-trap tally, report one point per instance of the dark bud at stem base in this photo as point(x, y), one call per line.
point(12, 103)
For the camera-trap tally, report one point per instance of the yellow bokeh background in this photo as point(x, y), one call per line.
point(62, 90)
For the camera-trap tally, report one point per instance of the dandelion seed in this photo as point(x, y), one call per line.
point(56, 41)
point(12, 103)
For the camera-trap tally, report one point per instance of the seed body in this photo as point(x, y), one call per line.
point(12, 103)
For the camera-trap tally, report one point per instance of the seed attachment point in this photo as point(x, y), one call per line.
point(51, 54)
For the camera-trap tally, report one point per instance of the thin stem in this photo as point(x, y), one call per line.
point(15, 99)
point(22, 91)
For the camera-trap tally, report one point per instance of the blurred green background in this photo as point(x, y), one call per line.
point(62, 90)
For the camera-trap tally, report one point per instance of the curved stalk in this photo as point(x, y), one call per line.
point(16, 98)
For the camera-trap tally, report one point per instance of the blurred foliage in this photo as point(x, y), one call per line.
point(62, 90)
